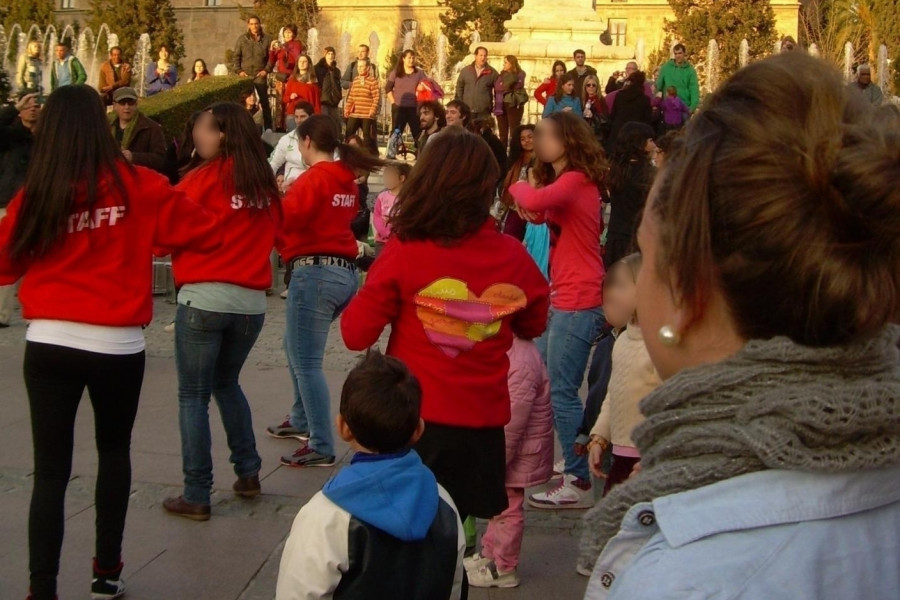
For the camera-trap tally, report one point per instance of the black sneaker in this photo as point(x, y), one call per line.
point(307, 457)
point(107, 584)
point(286, 431)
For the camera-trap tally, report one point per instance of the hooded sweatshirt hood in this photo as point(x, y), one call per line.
point(396, 493)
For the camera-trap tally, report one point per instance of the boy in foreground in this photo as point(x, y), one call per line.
point(382, 527)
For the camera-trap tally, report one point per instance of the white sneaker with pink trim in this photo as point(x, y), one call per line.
point(570, 493)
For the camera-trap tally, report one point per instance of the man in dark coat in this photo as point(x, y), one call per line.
point(141, 139)
point(251, 59)
point(16, 124)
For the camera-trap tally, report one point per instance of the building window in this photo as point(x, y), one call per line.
point(617, 30)
point(213, 2)
point(409, 26)
point(66, 4)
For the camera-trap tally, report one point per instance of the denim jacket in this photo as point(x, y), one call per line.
point(769, 535)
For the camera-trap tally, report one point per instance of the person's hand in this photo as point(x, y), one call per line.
point(595, 459)
point(567, 109)
point(531, 217)
point(128, 155)
point(243, 74)
point(587, 113)
point(635, 470)
point(262, 73)
point(293, 96)
point(26, 101)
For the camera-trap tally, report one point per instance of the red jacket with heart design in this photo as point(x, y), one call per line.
point(453, 311)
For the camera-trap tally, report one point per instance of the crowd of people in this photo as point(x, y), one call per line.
point(726, 273)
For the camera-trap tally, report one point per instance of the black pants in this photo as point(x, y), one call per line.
point(262, 90)
point(55, 378)
point(367, 126)
point(406, 115)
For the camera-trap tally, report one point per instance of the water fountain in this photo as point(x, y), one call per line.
point(640, 54)
point(441, 62)
point(374, 45)
point(712, 66)
point(476, 38)
point(312, 42)
point(883, 71)
point(744, 55)
point(344, 51)
point(142, 58)
point(848, 61)
point(814, 50)
point(85, 47)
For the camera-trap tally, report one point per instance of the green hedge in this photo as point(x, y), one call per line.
point(173, 108)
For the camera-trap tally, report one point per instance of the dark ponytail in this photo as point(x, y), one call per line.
point(320, 131)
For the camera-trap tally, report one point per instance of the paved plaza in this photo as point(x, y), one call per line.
point(235, 555)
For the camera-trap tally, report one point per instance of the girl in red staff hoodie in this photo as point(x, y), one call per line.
point(80, 235)
point(319, 247)
point(454, 291)
point(222, 299)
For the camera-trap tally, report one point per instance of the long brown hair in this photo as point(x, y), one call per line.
point(73, 152)
point(310, 73)
point(399, 69)
point(447, 204)
point(560, 94)
point(253, 177)
point(321, 132)
point(783, 195)
point(583, 152)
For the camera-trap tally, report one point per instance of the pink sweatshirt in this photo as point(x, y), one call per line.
point(384, 203)
point(572, 203)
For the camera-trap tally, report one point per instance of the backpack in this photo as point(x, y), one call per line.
point(428, 90)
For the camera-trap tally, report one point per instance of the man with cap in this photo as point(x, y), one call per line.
point(865, 86)
point(142, 140)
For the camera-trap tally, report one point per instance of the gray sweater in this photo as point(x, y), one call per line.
point(251, 56)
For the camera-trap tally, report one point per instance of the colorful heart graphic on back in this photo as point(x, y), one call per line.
point(455, 319)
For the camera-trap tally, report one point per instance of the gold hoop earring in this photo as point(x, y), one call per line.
point(668, 336)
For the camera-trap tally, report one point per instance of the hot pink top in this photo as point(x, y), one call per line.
point(384, 203)
point(571, 203)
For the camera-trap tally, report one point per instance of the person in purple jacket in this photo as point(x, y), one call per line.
point(675, 111)
point(509, 101)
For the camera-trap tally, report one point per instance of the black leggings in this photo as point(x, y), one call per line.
point(55, 377)
point(406, 115)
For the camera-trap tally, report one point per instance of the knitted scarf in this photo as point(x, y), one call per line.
point(774, 405)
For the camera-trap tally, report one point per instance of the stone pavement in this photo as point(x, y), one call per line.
point(235, 555)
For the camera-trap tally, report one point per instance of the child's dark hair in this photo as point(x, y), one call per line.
point(321, 131)
point(381, 402)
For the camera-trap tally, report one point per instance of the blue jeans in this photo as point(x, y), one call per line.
point(210, 350)
point(566, 347)
point(317, 295)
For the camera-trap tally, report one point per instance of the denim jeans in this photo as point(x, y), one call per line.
point(567, 346)
point(317, 295)
point(210, 350)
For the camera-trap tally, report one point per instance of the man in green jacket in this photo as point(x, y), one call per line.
point(67, 70)
point(678, 72)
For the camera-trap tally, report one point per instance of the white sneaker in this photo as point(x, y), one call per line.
point(583, 569)
point(283, 295)
point(488, 576)
point(565, 495)
point(170, 328)
point(475, 561)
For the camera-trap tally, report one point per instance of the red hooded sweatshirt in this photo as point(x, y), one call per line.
point(318, 210)
point(248, 232)
point(453, 311)
point(100, 271)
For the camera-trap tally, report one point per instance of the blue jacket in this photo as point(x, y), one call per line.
point(770, 535)
point(566, 102)
point(381, 528)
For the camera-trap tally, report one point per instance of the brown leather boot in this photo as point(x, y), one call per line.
point(248, 487)
point(182, 508)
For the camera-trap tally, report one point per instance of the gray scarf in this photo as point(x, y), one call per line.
point(774, 405)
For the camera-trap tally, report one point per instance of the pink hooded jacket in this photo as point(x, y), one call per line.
point(529, 433)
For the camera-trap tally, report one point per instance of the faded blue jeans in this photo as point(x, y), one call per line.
point(566, 347)
point(210, 350)
point(317, 295)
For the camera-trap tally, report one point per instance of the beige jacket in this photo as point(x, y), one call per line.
point(633, 377)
